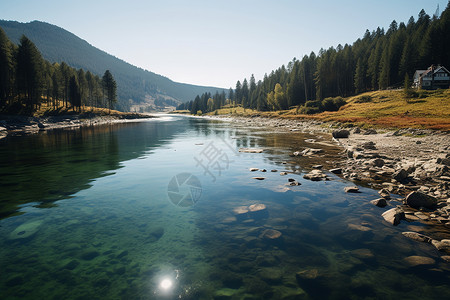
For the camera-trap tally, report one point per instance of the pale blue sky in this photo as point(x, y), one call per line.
point(215, 42)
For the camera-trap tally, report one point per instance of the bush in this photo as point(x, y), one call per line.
point(199, 113)
point(332, 104)
point(310, 110)
point(364, 99)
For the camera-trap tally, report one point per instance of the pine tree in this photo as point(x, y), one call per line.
point(6, 68)
point(110, 87)
point(29, 73)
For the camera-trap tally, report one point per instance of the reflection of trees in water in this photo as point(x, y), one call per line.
point(53, 165)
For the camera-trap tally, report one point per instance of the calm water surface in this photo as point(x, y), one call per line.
point(102, 213)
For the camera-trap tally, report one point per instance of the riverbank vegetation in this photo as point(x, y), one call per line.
point(28, 82)
point(391, 108)
point(317, 84)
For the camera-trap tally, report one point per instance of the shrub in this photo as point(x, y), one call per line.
point(332, 104)
point(364, 99)
point(199, 113)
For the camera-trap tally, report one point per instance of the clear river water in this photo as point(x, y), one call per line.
point(158, 210)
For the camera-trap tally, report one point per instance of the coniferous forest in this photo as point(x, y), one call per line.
point(27, 81)
point(381, 59)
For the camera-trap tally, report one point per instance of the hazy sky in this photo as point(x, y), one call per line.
point(216, 42)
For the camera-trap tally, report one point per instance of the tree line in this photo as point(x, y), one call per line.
point(27, 80)
point(379, 60)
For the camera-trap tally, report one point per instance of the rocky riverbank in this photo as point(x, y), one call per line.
point(26, 125)
point(412, 163)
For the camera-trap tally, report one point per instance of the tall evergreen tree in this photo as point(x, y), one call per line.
point(110, 87)
point(6, 68)
point(29, 73)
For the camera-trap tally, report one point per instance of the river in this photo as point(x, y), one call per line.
point(149, 210)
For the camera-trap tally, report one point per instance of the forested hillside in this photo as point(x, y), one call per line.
point(381, 59)
point(27, 80)
point(133, 83)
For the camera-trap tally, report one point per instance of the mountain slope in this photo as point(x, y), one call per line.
point(141, 86)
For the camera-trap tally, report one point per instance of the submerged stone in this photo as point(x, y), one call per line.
point(89, 255)
point(251, 150)
point(270, 234)
point(417, 236)
point(351, 189)
point(416, 260)
point(25, 230)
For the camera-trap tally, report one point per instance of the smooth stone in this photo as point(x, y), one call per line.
point(362, 253)
point(336, 171)
point(416, 260)
point(417, 236)
point(270, 234)
point(274, 170)
point(240, 210)
point(351, 189)
point(257, 207)
point(446, 258)
point(443, 245)
point(393, 216)
point(283, 173)
point(253, 169)
point(381, 202)
point(259, 178)
point(358, 227)
point(25, 230)
point(89, 255)
point(251, 150)
point(418, 199)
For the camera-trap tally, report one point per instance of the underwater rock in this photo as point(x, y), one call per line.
point(251, 150)
point(358, 227)
point(362, 253)
point(379, 202)
point(241, 212)
point(351, 189)
point(89, 255)
point(156, 233)
point(271, 275)
point(415, 260)
point(393, 216)
point(71, 265)
point(258, 211)
point(224, 294)
point(417, 236)
point(443, 245)
point(446, 258)
point(25, 230)
point(122, 254)
point(419, 199)
point(270, 234)
point(15, 280)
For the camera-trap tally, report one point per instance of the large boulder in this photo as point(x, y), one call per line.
point(340, 134)
point(418, 199)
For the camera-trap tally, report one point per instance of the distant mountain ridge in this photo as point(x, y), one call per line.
point(136, 87)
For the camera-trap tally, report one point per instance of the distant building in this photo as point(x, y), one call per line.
point(436, 77)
